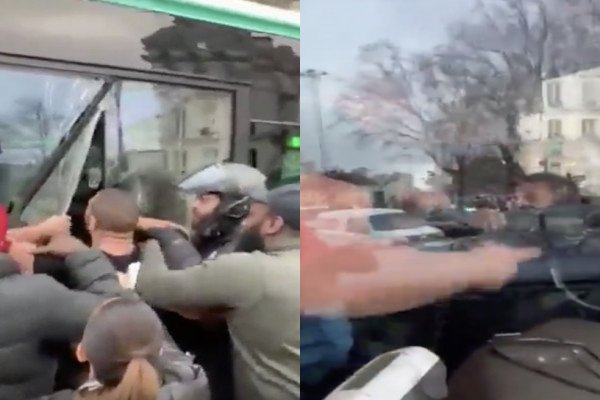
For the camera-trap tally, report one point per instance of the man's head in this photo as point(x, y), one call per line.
point(112, 212)
point(223, 194)
point(218, 217)
point(204, 206)
point(544, 190)
point(267, 221)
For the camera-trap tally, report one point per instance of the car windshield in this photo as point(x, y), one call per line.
point(392, 221)
point(36, 111)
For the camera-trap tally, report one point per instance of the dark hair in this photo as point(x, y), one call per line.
point(122, 342)
point(115, 211)
point(565, 190)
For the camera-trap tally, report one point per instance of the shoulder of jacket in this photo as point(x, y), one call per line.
point(36, 280)
point(62, 395)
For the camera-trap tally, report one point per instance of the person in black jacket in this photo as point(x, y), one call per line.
point(38, 312)
point(122, 343)
point(111, 218)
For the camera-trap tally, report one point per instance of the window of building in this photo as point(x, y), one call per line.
point(184, 161)
point(37, 109)
point(190, 127)
point(253, 158)
point(555, 129)
point(555, 151)
point(589, 128)
point(553, 93)
point(591, 93)
point(555, 165)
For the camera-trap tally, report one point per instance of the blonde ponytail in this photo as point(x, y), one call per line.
point(140, 382)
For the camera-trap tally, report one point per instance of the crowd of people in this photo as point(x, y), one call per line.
point(389, 279)
point(147, 310)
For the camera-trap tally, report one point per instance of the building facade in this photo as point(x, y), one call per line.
point(565, 137)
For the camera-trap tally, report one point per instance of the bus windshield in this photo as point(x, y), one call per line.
point(36, 111)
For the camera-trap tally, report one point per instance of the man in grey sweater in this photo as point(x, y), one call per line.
point(262, 290)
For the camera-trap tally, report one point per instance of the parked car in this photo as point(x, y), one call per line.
point(343, 227)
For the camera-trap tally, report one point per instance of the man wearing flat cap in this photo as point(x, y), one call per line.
point(262, 289)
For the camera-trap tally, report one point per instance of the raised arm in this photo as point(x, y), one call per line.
point(178, 252)
point(53, 226)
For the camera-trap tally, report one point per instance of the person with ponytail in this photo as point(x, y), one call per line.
point(122, 344)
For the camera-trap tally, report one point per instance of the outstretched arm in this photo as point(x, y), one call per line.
point(53, 226)
point(178, 251)
point(233, 280)
point(174, 241)
point(371, 279)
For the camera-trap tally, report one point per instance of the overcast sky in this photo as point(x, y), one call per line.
point(332, 33)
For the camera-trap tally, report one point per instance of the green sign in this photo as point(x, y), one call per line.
point(293, 142)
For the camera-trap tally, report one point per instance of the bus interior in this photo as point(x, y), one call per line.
point(158, 95)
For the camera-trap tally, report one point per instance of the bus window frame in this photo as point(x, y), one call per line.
point(241, 114)
point(255, 16)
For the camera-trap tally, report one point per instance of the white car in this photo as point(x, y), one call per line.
point(343, 227)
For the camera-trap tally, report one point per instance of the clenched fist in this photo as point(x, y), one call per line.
point(62, 246)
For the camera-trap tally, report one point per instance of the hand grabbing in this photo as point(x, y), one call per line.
point(493, 265)
point(62, 246)
point(22, 254)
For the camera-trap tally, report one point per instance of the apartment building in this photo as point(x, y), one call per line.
point(565, 137)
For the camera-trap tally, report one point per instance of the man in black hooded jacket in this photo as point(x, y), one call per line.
point(111, 219)
point(39, 313)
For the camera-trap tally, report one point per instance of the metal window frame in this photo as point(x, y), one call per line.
point(23, 199)
point(240, 106)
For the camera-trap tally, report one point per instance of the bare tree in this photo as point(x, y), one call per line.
point(31, 121)
point(464, 99)
point(410, 102)
point(41, 120)
point(505, 51)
